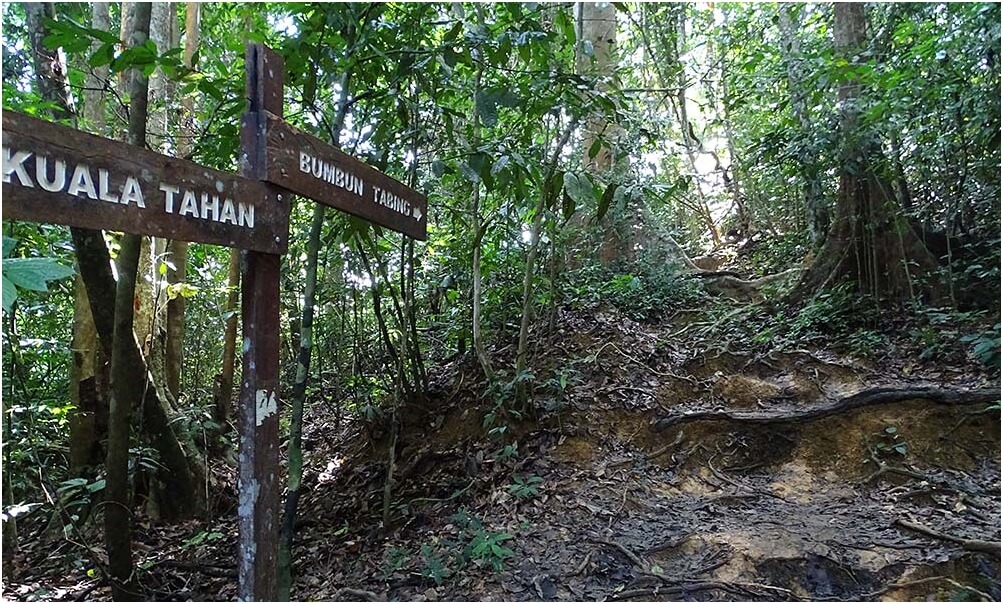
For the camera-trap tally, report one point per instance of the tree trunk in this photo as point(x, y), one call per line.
point(815, 203)
point(479, 228)
point(690, 142)
point(871, 245)
point(298, 394)
point(127, 383)
point(223, 394)
point(89, 373)
point(522, 349)
point(594, 58)
point(177, 251)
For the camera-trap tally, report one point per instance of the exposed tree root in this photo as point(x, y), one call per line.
point(902, 585)
point(677, 586)
point(868, 398)
point(972, 545)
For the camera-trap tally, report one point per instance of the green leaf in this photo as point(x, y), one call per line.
point(470, 173)
point(487, 109)
point(606, 200)
point(551, 188)
point(595, 148)
point(8, 245)
point(32, 273)
point(104, 55)
point(500, 164)
point(567, 205)
point(579, 188)
point(9, 294)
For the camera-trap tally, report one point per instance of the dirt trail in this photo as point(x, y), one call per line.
point(592, 502)
point(705, 510)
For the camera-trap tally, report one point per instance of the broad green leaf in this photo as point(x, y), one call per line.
point(579, 188)
point(594, 148)
point(487, 109)
point(606, 200)
point(470, 173)
point(567, 205)
point(9, 294)
point(32, 273)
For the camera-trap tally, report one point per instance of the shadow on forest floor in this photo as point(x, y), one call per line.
point(594, 504)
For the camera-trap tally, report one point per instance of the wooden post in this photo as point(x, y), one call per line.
point(258, 510)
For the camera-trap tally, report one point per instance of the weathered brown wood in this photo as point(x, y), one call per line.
point(308, 166)
point(258, 414)
point(52, 173)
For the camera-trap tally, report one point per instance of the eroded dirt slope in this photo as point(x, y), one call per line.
point(617, 492)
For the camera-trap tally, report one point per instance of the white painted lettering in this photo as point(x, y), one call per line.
point(304, 162)
point(228, 215)
point(42, 174)
point(206, 207)
point(104, 191)
point(245, 214)
point(81, 182)
point(169, 192)
point(189, 207)
point(14, 164)
point(131, 192)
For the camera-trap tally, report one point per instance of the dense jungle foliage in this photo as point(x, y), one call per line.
point(800, 175)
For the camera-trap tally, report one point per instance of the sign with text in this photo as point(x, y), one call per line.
point(308, 166)
point(52, 173)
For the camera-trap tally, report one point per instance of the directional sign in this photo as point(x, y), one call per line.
point(52, 173)
point(308, 166)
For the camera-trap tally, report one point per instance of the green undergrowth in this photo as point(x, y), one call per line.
point(643, 291)
point(853, 324)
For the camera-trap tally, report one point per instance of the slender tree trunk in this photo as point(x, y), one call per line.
point(298, 394)
point(89, 376)
point(522, 348)
point(816, 205)
point(126, 386)
point(223, 395)
point(478, 230)
point(177, 251)
point(690, 142)
point(735, 181)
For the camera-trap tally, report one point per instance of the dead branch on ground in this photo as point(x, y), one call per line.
point(872, 397)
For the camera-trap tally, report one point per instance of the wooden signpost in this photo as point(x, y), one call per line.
point(307, 166)
point(56, 174)
point(52, 173)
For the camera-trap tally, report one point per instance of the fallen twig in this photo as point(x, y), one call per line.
point(904, 584)
point(972, 545)
point(442, 499)
point(663, 450)
point(868, 398)
point(206, 569)
point(654, 371)
point(884, 468)
point(352, 594)
point(640, 564)
point(583, 565)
